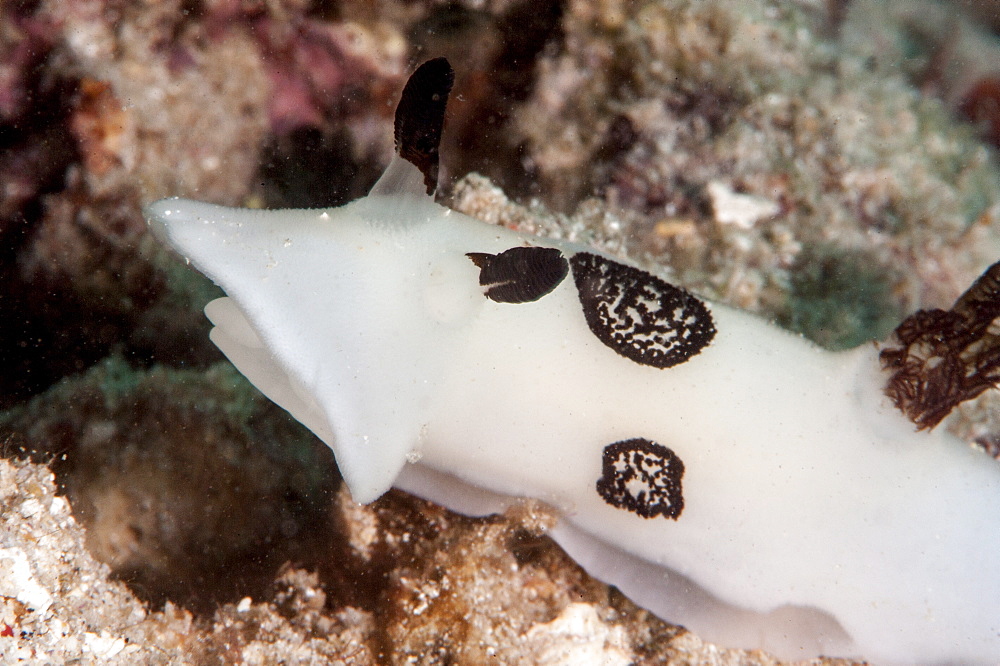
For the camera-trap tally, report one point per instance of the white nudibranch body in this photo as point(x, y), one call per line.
point(730, 476)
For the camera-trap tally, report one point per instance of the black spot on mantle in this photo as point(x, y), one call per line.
point(520, 274)
point(637, 314)
point(642, 477)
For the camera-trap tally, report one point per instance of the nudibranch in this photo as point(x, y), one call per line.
point(728, 475)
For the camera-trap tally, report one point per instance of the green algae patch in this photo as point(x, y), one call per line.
point(840, 300)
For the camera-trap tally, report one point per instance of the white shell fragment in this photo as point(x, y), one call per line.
point(18, 582)
point(578, 637)
point(741, 210)
point(728, 475)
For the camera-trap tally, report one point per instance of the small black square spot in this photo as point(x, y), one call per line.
point(520, 274)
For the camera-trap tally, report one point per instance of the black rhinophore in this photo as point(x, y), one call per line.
point(642, 477)
point(520, 274)
point(638, 315)
point(420, 117)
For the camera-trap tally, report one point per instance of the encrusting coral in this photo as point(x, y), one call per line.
point(220, 487)
point(655, 105)
point(59, 605)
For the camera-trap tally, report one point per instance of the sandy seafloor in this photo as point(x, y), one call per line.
point(828, 164)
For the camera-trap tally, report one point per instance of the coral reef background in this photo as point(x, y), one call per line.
point(829, 164)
